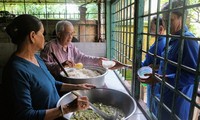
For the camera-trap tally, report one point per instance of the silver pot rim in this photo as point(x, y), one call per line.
point(88, 67)
point(69, 94)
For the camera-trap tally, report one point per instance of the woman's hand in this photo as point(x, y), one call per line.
point(86, 86)
point(100, 60)
point(119, 65)
point(80, 103)
point(66, 87)
point(68, 63)
point(156, 67)
point(150, 80)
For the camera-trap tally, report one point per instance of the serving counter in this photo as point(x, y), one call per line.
point(113, 82)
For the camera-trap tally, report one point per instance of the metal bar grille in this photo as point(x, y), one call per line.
point(121, 32)
point(131, 42)
point(50, 10)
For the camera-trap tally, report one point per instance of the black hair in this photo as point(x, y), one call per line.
point(161, 21)
point(21, 26)
point(176, 4)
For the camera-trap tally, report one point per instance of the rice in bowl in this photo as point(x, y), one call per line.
point(81, 73)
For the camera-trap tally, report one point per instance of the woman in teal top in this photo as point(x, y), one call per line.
point(30, 91)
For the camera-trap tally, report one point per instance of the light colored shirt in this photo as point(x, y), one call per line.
point(72, 54)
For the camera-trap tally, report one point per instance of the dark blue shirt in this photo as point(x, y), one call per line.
point(149, 58)
point(189, 59)
point(30, 89)
point(185, 78)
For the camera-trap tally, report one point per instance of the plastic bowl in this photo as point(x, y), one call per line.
point(144, 70)
point(108, 63)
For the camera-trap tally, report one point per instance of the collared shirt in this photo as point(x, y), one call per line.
point(185, 78)
point(149, 58)
point(189, 58)
point(72, 54)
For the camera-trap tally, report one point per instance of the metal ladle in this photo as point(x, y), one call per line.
point(125, 65)
point(61, 66)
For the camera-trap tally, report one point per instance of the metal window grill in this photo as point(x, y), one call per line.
point(76, 11)
point(128, 36)
point(130, 42)
point(122, 34)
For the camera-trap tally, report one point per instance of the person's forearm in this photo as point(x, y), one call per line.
point(169, 76)
point(68, 87)
point(53, 113)
point(88, 60)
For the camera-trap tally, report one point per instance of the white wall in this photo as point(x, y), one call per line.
point(92, 48)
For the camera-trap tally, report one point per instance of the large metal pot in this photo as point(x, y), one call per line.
point(98, 80)
point(106, 96)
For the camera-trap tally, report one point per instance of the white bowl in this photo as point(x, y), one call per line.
point(144, 70)
point(108, 63)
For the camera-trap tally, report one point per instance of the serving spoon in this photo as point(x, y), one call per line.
point(102, 114)
point(125, 65)
point(61, 66)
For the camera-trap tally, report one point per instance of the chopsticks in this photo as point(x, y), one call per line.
point(61, 66)
point(75, 93)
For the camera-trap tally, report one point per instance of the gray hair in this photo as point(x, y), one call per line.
point(61, 25)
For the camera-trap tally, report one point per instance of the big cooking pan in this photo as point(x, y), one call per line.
point(98, 80)
point(106, 96)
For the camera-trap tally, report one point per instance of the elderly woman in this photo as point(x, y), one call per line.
point(66, 52)
point(186, 79)
point(30, 91)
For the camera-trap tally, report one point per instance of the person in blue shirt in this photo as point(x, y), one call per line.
point(149, 59)
point(30, 91)
point(186, 78)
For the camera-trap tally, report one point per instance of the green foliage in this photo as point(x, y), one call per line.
point(92, 11)
point(35, 8)
point(128, 74)
point(50, 11)
point(193, 17)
